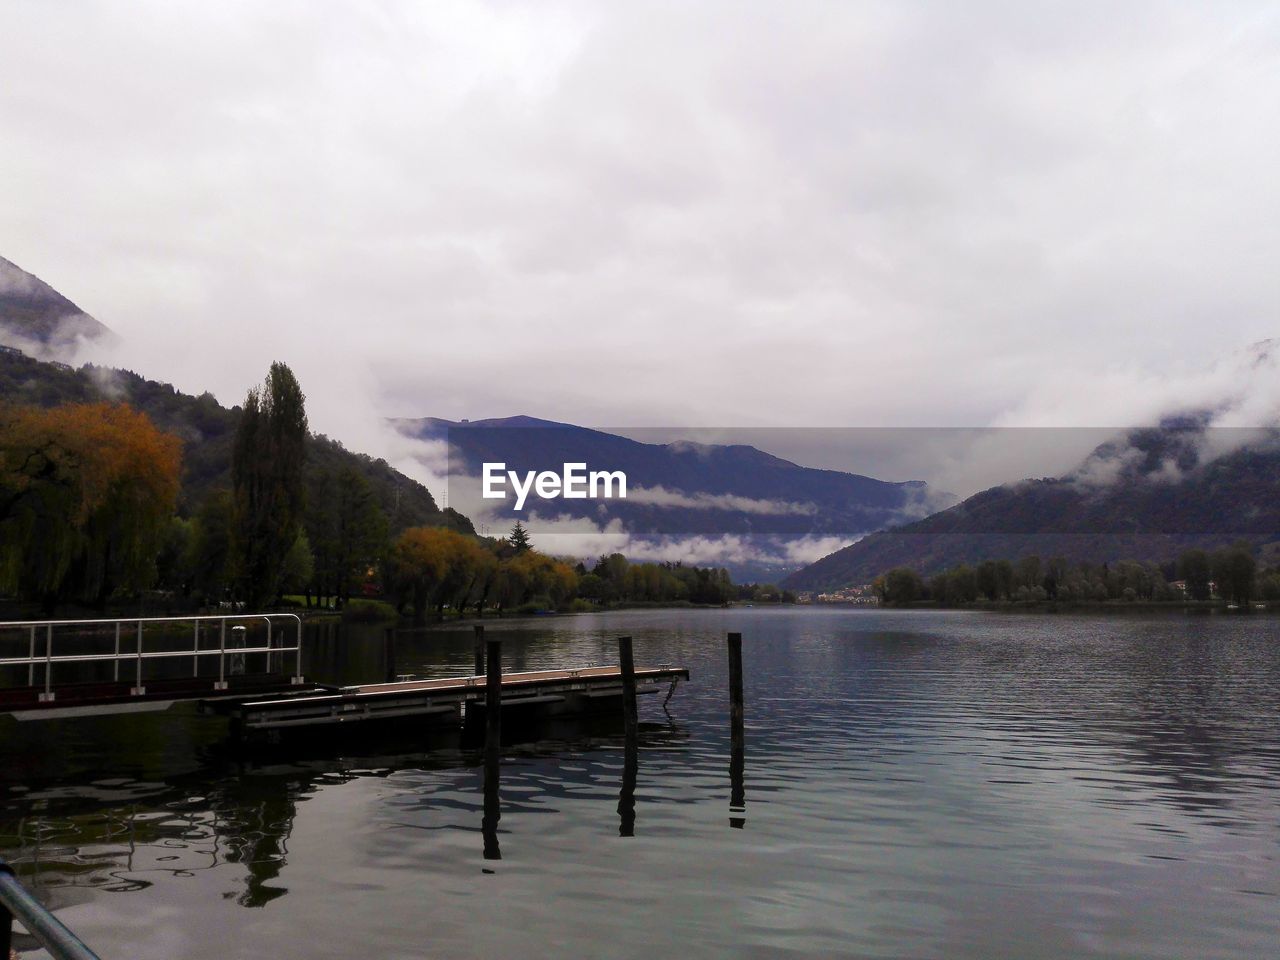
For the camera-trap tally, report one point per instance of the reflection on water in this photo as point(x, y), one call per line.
point(923, 784)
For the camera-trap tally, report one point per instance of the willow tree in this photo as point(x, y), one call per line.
point(86, 495)
point(267, 461)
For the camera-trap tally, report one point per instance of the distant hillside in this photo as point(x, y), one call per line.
point(207, 428)
point(678, 488)
point(36, 318)
point(1146, 497)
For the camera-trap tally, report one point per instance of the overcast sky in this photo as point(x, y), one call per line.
point(710, 214)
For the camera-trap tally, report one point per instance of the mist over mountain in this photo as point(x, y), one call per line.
point(39, 320)
point(1147, 495)
point(756, 509)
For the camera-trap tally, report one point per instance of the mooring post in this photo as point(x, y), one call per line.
point(737, 752)
point(631, 749)
point(479, 651)
point(492, 746)
point(493, 697)
point(389, 653)
point(628, 665)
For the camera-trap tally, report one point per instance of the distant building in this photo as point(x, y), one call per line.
point(862, 596)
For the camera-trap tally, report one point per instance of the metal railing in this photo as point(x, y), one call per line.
point(16, 902)
point(137, 655)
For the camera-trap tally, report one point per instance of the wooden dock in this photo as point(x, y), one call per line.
point(275, 699)
point(557, 691)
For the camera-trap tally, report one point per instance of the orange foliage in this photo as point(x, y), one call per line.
point(88, 486)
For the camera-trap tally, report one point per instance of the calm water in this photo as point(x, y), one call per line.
point(918, 784)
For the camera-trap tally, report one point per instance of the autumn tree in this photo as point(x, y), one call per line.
point(267, 461)
point(432, 566)
point(87, 492)
point(533, 577)
point(484, 573)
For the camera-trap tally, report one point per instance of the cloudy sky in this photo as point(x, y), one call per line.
point(714, 214)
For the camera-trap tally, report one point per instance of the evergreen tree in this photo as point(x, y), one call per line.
point(519, 538)
point(266, 472)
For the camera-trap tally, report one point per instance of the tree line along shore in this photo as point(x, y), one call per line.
point(91, 520)
point(1230, 577)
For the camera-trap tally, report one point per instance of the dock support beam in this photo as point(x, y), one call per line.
point(479, 649)
point(737, 752)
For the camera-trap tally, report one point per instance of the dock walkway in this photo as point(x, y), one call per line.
point(567, 691)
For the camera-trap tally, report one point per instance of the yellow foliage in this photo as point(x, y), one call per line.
point(89, 485)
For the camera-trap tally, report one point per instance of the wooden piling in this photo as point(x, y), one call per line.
point(492, 743)
point(479, 649)
point(389, 654)
point(626, 662)
point(737, 751)
point(493, 697)
point(631, 749)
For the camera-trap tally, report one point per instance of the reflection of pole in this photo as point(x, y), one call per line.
point(479, 628)
point(492, 806)
point(631, 725)
point(737, 754)
point(492, 750)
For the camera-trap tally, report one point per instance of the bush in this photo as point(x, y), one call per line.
point(368, 611)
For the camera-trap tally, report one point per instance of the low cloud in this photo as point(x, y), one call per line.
point(662, 497)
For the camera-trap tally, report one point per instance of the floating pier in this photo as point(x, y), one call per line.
point(557, 691)
point(109, 677)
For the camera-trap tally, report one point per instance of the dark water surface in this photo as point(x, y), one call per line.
point(918, 784)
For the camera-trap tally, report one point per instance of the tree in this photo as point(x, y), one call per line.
point(87, 492)
point(519, 538)
point(267, 459)
point(299, 565)
point(209, 549)
point(1193, 568)
point(433, 565)
point(1235, 571)
point(899, 586)
point(483, 574)
point(347, 528)
point(594, 588)
point(1029, 572)
point(415, 566)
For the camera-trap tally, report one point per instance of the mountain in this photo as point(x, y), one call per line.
point(1146, 496)
point(206, 429)
point(674, 490)
point(36, 318)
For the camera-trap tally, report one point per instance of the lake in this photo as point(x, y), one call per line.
point(918, 784)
